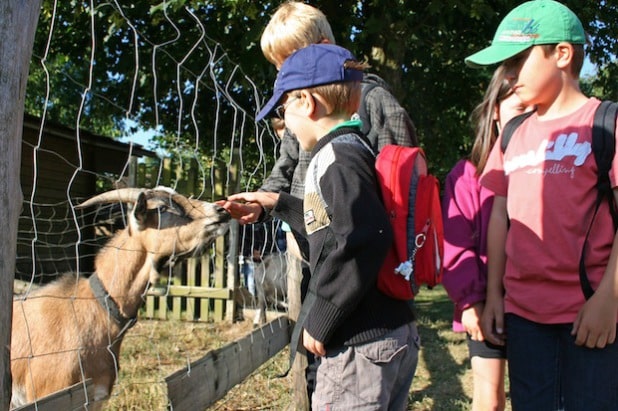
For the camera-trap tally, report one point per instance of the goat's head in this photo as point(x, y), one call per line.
point(167, 225)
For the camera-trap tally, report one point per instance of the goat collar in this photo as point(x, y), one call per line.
point(108, 303)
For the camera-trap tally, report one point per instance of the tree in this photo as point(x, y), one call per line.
point(194, 70)
point(15, 52)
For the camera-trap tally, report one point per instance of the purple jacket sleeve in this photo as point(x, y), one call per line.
point(466, 208)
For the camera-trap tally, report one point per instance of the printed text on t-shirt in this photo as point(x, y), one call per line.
point(564, 146)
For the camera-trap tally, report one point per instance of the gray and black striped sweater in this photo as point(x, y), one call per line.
point(349, 235)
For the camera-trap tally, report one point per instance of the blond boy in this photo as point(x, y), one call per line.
point(295, 25)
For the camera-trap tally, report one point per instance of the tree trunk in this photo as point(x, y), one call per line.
point(18, 21)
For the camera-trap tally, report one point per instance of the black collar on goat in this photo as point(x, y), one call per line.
point(108, 302)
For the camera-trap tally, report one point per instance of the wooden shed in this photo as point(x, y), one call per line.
point(60, 167)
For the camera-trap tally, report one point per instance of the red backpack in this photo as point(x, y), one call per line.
point(411, 197)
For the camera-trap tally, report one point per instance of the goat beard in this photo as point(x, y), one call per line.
point(166, 262)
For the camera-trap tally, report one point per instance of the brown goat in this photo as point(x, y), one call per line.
point(71, 330)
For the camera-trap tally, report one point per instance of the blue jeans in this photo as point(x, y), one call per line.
point(548, 372)
point(247, 268)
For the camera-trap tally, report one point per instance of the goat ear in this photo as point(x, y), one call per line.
point(140, 209)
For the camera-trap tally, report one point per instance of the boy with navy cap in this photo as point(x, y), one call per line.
point(365, 341)
point(561, 347)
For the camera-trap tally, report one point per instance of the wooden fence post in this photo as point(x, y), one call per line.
point(233, 278)
point(18, 21)
point(295, 275)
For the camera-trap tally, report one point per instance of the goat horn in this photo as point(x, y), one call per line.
point(122, 195)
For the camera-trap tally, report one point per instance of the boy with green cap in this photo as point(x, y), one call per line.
point(561, 346)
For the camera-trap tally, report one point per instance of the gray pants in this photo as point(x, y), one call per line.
point(373, 376)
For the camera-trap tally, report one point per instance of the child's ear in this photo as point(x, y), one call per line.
point(308, 102)
point(564, 54)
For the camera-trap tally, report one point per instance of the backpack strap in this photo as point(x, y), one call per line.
point(507, 133)
point(510, 127)
point(604, 148)
point(370, 81)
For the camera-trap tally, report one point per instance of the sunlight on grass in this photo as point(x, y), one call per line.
point(155, 349)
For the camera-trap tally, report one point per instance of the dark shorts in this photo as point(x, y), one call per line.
point(485, 349)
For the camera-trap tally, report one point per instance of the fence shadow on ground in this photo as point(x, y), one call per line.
point(441, 381)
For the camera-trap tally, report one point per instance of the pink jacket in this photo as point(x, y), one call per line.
point(466, 207)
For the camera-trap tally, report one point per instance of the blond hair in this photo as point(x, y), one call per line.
point(293, 26)
point(342, 97)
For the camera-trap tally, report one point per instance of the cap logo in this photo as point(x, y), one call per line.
point(517, 34)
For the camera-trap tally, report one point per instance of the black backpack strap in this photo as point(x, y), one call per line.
point(510, 127)
point(506, 134)
point(370, 81)
point(604, 148)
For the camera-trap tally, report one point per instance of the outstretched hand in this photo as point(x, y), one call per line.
point(245, 213)
point(248, 207)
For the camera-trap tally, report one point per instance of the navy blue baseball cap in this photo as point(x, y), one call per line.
point(312, 66)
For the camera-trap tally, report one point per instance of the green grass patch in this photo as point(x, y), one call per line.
point(155, 349)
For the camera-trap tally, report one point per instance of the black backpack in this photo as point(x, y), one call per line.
point(370, 81)
point(604, 148)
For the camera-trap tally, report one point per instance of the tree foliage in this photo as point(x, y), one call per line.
point(194, 70)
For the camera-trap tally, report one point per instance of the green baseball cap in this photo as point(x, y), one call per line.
point(531, 23)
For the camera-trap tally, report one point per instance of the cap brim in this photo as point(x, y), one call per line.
point(495, 54)
point(269, 106)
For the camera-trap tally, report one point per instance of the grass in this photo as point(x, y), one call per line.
point(443, 380)
point(155, 349)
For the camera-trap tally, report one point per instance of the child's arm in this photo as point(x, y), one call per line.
point(492, 320)
point(280, 177)
point(279, 180)
point(245, 213)
point(595, 325)
point(465, 278)
point(247, 207)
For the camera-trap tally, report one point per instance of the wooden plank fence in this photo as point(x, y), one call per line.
point(208, 379)
point(189, 297)
point(73, 398)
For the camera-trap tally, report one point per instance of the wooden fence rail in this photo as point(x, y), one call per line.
point(203, 382)
point(208, 379)
point(73, 398)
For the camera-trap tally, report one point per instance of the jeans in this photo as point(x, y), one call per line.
point(372, 376)
point(548, 372)
point(247, 268)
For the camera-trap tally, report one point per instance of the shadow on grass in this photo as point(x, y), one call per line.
point(443, 358)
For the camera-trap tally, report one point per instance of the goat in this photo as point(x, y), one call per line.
point(270, 285)
point(71, 329)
